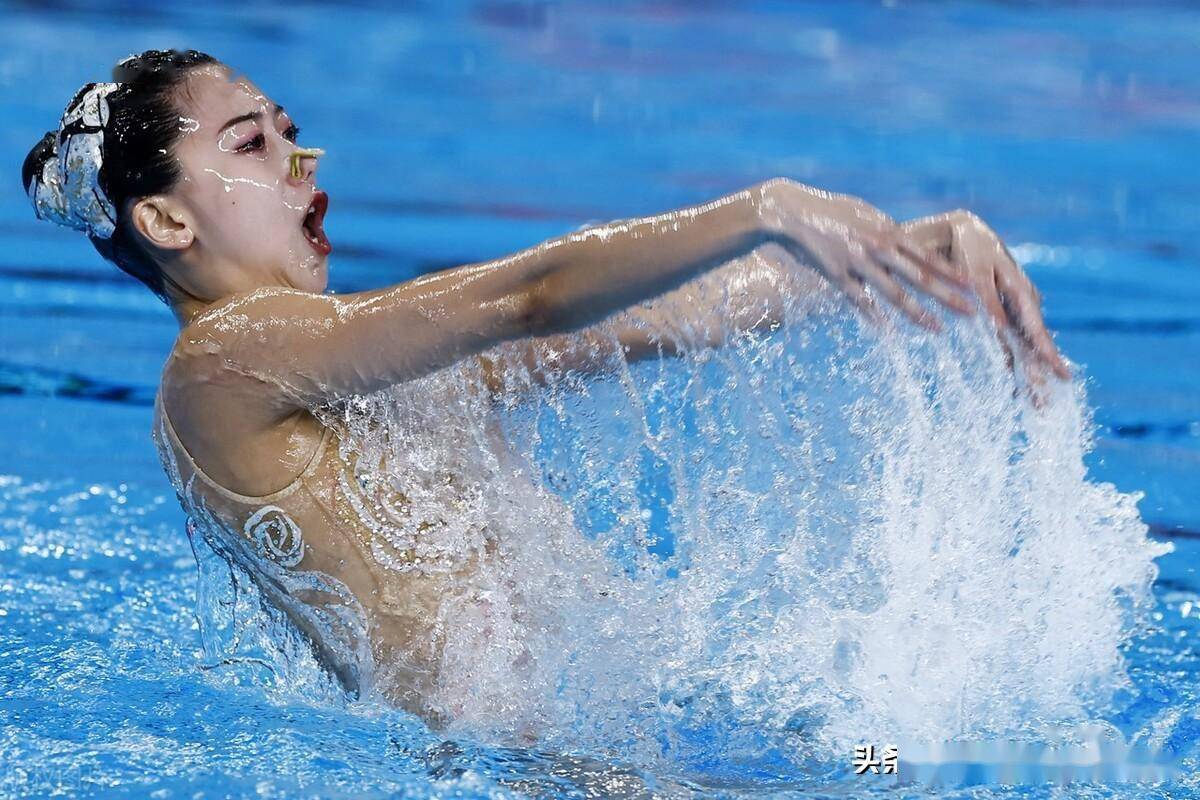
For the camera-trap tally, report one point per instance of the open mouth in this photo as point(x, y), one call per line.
point(314, 224)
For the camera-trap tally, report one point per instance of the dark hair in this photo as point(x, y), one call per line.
point(138, 151)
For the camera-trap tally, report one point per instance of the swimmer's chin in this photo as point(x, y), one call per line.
point(310, 275)
point(321, 282)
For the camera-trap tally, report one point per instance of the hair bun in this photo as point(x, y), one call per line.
point(62, 173)
point(40, 177)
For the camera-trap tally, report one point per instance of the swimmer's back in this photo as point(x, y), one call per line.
point(245, 458)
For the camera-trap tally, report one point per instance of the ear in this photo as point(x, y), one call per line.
point(163, 222)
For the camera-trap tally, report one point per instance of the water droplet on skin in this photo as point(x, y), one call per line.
point(891, 500)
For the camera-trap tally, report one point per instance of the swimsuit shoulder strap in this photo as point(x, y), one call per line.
point(175, 442)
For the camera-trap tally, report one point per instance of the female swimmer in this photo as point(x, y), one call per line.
point(189, 178)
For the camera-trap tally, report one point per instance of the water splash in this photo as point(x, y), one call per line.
point(252, 614)
point(750, 559)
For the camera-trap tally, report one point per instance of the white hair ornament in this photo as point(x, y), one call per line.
point(67, 190)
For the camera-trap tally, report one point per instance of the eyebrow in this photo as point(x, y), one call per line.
point(251, 115)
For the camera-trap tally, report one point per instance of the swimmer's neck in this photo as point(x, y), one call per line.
point(197, 280)
point(185, 307)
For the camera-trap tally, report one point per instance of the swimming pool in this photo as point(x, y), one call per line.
point(458, 131)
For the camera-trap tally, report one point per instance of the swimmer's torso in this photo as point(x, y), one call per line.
point(299, 500)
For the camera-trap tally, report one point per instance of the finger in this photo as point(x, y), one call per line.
point(1024, 305)
point(921, 275)
point(1005, 348)
point(990, 297)
point(1029, 321)
point(857, 292)
point(939, 264)
point(877, 276)
point(1035, 373)
point(1035, 380)
point(1033, 366)
point(833, 264)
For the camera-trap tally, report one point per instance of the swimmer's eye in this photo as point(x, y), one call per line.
point(254, 144)
point(259, 141)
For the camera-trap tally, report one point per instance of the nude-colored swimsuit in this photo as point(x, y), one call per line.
point(314, 525)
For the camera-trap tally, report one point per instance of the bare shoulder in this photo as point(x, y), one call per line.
point(240, 344)
point(239, 424)
point(209, 353)
point(243, 315)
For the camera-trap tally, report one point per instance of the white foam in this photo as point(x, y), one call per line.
point(873, 540)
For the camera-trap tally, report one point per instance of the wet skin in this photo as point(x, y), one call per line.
point(260, 345)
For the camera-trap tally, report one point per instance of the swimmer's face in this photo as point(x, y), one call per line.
point(237, 217)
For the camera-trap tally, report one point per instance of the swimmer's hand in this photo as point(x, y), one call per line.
point(936, 256)
point(1007, 293)
point(860, 251)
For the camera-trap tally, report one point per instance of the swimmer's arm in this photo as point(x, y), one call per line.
point(302, 349)
point(748, 293)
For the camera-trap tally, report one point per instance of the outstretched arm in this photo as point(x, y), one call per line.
point(302, 349)
point(747, 294)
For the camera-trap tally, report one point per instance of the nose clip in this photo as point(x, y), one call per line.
point(299, 153)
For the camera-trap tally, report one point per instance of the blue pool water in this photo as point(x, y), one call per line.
point(461, 131)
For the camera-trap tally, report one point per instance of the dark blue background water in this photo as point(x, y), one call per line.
point(461, 131)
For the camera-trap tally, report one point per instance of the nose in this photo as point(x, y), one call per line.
point(302, 162)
